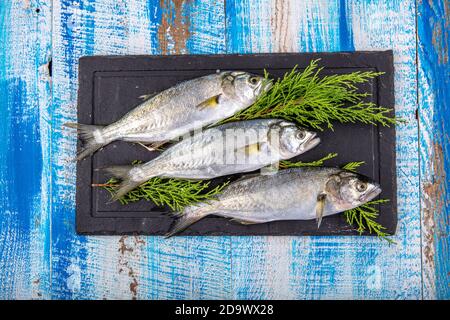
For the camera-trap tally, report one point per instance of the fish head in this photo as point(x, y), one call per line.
point(245, 86)
point(350, 190)
point(292, 139)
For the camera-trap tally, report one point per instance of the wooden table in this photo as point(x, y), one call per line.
point(42, 257)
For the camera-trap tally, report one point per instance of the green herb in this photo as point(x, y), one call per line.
point(352, 166)
point(313, 101)
point(288, 164)
point(365, 219)
point(175, 193)
point(179, 193)
point(302, 97)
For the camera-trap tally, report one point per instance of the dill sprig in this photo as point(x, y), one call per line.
point(313, 101)
point(352, 166)
point(365, 217)
point(175, 193)
point(317, 163)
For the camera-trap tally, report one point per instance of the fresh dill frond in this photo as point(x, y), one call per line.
point(364, 217)
point(316, 102)
point(175, 193)
point(352, 166)
point(317, 163)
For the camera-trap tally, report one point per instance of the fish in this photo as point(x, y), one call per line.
point(226, 149)
point(291, 194)
point(176, 111)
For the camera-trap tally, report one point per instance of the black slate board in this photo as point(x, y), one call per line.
point(109, 86)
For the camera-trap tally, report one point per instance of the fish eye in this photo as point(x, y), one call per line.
point(301, 135)
point(361, 186)
point(253, 80)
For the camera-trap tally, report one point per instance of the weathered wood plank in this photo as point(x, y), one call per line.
point(25, 45)
point(72, 37)
point(262, 267)
point(127, 267)
point(335, 267)
point(191, 267)
point(266, 267)
point(433, 22)
point(391, 24)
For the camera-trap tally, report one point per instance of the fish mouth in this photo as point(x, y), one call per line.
point(265, 85)
point(371, 194)
point(312, 142)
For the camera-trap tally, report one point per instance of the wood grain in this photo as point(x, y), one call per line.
point(434, 106)
point(333, 267)
point(391, 24)
point(42, 257)
point(127, 267)
point(25, 50)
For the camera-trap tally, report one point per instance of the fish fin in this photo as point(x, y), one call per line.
point(320, 205)
point(271, 169)
point(251, 149)
point(155, 146)
point(127, 184)
point(91, 136)
point(244, 222)
point(247, 176)
point(209, 103)
point(120, 172)
point(147, 96)
point(174, 214)
point(186, 219)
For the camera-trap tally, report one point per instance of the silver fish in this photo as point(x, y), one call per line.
point(242, 146)
point(291, 194)
point(178, 110)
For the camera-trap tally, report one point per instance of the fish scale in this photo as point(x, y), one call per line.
point(207, 155)
point(291, 194)
point(177, 111)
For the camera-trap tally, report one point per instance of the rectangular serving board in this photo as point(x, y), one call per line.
point(110, 86)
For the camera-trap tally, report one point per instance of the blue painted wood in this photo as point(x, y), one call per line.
point(24, 100)
point(73, 27)
point(191, 267)
point(336, 267)
point(126, 267)
point(434, 109)
point(44, 258)
point(391, 24)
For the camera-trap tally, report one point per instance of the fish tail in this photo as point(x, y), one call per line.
point(120, 172)
point(128, 182)
point(124, 187)
point(186, 218)
point(91, 136)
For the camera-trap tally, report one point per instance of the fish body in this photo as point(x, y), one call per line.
point(223, 150)
point(291, 194)
point(178, 110)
